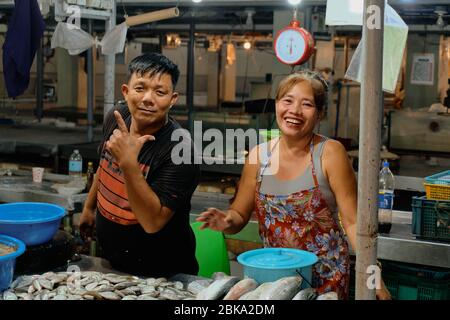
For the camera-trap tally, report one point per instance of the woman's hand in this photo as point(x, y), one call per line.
point(383, 292)
point(215, 219)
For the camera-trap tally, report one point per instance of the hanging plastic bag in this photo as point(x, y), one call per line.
point(114, 40)
point(344, 12)
point(395, 36)
point(72, 38)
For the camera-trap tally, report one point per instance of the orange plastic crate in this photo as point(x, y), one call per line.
point(437, 186)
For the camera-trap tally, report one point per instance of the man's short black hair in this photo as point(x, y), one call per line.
point(153, 63)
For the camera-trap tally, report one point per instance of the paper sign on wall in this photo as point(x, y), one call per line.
point(422, 70)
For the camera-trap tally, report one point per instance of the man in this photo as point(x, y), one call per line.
point(140, 200)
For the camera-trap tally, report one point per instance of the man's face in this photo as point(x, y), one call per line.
point(149, 99)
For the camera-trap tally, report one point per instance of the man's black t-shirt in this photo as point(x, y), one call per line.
point(121, 238)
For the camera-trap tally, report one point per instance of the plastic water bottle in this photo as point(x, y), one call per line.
point(75, 164)
point(385, 199)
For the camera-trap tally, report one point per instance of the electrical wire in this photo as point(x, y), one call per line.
point(125, 14)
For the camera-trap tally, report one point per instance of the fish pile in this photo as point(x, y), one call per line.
point(287, 288)
point(90, 285)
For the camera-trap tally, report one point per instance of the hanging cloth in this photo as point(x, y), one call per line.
point(71, 37)
point(23, 38)
point(75, 40)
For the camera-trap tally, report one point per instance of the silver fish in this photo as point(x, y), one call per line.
point(110, 295)
point(217, 289)
point(328, 296)
point(306, 294)
point(255, 294)
point(198, 285)
point(240, 288)
point(9, 295)
point(282, 289)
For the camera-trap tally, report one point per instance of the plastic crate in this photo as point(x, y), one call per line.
point(431, 218)
point(437, 186)
point(411, 282)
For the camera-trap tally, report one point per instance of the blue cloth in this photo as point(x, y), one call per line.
point(23, 38)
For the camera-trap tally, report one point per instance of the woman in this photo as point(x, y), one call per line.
point(298, 187)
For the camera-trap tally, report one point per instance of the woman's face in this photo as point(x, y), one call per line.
point(296, 111)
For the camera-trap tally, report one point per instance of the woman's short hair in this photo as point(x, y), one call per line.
point(317, 82)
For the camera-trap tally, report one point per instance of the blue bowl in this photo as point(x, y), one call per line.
point(271, 264)
point(32, 222)
point(8, 261)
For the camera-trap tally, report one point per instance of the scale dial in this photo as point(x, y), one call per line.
point(293, 45)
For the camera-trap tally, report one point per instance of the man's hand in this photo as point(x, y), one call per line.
point(87, 223)
point(383, 292)
point(124, 147)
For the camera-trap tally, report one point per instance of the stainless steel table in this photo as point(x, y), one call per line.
point(20, 188)
point(403, 246)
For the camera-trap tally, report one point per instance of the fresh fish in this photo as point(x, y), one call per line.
point(328, 296)
point(255, 294)
point(198, 285)
point(219, 275)
point(217, 289)
point(110, 295)
point(9, 295)
point(241, 288)
point(282, 289)
point(178, 285)
point(148, 290)
point(95, 286)
point(146, 297)
point(91, 286)
point(306, 294)
point(46, 283)
point(37, 285)
point(123, 285)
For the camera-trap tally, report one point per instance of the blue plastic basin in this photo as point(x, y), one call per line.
point(271, 264)
point(8, 261)
point(32, 222)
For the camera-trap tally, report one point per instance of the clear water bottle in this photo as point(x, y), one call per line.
point(75, 164)
point(385, 199)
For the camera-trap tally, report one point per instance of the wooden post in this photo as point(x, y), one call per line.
point(369, 145)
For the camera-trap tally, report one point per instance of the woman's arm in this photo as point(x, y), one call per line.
point(338, 169)
point(339, 172)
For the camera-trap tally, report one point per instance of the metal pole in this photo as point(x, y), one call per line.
point(39, 82)
point(308, 25)
point(346, 113)
point(90, 88)
point(369, 145)
point(190, 76)
point(110, 67)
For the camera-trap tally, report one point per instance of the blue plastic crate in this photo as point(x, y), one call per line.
point(431, 218)
point(442, 178)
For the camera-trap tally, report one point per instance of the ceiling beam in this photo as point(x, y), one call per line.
point(253, 3)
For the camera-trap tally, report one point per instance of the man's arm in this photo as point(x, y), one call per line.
point(144, 202)
point(91, 199)
point(87, 218)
